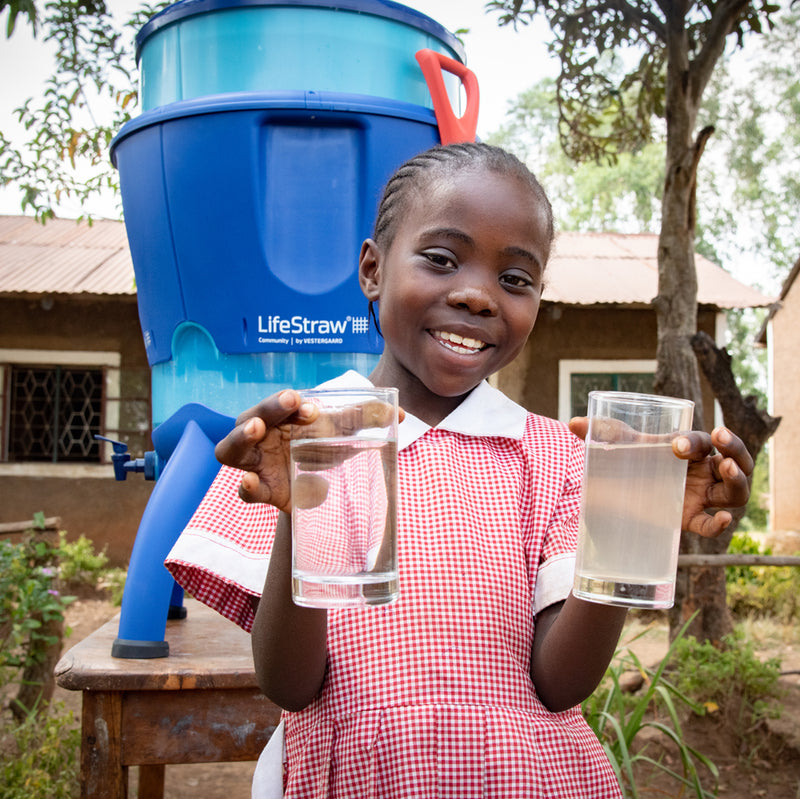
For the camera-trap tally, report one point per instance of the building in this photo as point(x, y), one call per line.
point(781, 334)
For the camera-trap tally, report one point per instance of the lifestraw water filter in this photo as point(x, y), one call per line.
point(248, 183)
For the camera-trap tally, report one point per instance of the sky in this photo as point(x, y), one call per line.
point(505, 61)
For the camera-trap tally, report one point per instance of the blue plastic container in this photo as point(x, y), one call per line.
point(245, 215)
point(197, 48)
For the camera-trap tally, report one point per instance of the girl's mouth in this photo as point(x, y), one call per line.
point(459, 344)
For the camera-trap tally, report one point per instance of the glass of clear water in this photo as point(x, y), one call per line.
point(344, 499)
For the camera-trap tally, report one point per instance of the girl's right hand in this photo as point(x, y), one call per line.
point(259, 446)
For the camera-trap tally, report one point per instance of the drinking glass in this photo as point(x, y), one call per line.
point(632, 500)
point(344, 499)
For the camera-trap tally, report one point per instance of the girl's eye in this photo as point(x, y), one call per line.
point(439, 259)
point(517, 280)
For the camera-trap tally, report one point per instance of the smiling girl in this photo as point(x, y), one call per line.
point(470, 684)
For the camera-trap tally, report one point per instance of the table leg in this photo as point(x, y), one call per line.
point(102, 774)
point(151, 782)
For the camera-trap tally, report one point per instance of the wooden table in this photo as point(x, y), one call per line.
point(199, 705)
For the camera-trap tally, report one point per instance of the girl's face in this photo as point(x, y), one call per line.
point(458, 288)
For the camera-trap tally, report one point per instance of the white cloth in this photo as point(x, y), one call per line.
point(268, 776)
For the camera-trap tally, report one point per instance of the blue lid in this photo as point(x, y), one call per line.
point(378, 8)
point(283, 101)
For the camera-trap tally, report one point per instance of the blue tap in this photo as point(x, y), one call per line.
point(151, 464)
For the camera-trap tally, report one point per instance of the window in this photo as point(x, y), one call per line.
point(54, 413)
point(54, 402)
point(578, 378)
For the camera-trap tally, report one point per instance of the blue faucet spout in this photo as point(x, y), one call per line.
point(188, 442)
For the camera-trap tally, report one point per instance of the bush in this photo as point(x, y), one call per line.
point(39, 740)
point(31, 606)
point(743, 544)
point(730, 683)
point(79, 564)
point(113, 581)
point(39, 756)
point(761, 590)
point(774, 591)
point(756, 516)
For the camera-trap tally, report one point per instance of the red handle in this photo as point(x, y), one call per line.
point(452, 129)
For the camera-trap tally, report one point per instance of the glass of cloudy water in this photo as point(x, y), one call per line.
point(632, 501)
point(344, 499)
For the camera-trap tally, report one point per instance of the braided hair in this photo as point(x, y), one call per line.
point(443, 160)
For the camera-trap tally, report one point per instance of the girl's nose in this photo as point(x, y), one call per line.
point(475, 299)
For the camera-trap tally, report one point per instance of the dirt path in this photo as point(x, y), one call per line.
point(776, 778)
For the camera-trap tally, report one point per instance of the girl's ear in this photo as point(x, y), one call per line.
point(369, 270)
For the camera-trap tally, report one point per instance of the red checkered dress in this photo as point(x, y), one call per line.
point(432, 696)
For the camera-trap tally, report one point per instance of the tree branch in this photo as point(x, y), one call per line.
point(697, 151)
point(739, 413)
point(638, 17)
point(724, 19)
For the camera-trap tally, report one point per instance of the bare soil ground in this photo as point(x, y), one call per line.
point(773, 771)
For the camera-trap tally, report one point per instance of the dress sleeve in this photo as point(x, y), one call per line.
point(221, 557)
point(557, 562)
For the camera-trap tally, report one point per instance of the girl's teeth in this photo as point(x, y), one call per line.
point(462, 344)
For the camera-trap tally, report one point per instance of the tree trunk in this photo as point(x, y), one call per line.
point(702, 588)
point(677, 372)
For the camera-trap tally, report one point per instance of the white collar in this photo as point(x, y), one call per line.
point(485, 412)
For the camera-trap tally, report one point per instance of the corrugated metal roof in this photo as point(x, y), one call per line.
point(622, 269)
point(65, 257)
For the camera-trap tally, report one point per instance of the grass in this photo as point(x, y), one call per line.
point(624, 722)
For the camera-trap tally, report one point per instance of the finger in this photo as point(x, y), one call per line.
point(310, 491)
point(606, 430)
point(693, 445)
point(696, 445)
point(355, 418)
point(732, 490)
point(376, 414)
point(279, 408)
point(351, 420)
point(731, 446)
point(710, 525)
point(251, 488)
point(239, 447)
point(579, 425)
point(610, 431)
point(311, 457)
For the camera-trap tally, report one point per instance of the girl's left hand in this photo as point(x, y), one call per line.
point(714, 480)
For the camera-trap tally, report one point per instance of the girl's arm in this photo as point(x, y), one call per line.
point(289, 641)
point(575, 640)
point(573, 644)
